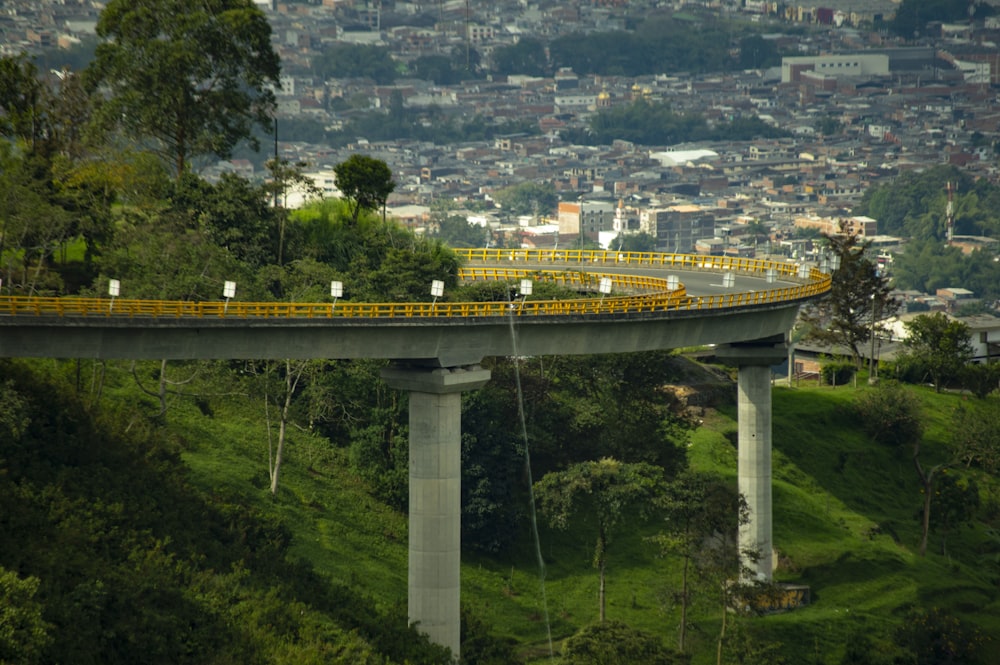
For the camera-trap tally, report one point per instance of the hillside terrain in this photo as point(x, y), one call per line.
point(135, 524)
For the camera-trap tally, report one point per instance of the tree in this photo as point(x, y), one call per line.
point(981, 379)
point(192, 76)
point(637, 242)
point(24, 633)
point(343, 60)
point(697, 508)
point(290, 377)
point(889, 414)
point(938, 344)
point(21, 94)
point(365, 182)
point(975, 435)
point(457, 231)
point(913, 15)
point(528, 198)
point(616, 642)
point(758, 53)
point(32, 226)
point(957, 503)
point(934, 637)
point(283, 176)
point(234, 214)
point(606, 492)
point(525, 57)
point(859, 297)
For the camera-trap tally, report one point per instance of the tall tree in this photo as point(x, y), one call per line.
point(21, 94)
point(365, 182)
point(607, 492)
point(193, 77)
point(859, 297)
point(697, 509)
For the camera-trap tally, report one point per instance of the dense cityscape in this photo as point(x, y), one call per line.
point(858, 139)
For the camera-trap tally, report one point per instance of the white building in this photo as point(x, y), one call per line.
point(859, 64)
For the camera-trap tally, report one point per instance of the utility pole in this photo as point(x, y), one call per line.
point(949, 211)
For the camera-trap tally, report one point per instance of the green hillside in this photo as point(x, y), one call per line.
point(207, 543)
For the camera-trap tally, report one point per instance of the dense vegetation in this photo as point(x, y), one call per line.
point(123, 525)
point(648, 123)
point(913, 207)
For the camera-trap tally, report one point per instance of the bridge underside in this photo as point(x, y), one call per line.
point(438, 342)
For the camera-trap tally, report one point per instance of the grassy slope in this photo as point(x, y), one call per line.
point(832, 487)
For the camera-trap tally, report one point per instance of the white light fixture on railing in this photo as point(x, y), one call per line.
point(437, 290)
point(114, 288)
point(673, 282)
point(803, 270)
point(228, 292)
point(772, 275)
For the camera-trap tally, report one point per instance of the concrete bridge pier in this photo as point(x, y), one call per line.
point(435, 419)
point(754, 360)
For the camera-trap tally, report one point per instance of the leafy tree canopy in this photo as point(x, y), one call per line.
point(528, 198)
point(655, 123)
point(912, 16)
point(939, 344)
point(204, 80)
point(617, 642)
point(342, 60)
point(364, 181)
point(526, 57)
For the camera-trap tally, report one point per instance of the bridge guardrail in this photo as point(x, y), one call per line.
point(647, 294)
point(783, 269)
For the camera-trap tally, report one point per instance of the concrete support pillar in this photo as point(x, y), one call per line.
point(435, 494)
point(754, 461)
point(754, 466)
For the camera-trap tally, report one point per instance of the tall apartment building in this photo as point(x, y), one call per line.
point(677, 228)
point(586, 218)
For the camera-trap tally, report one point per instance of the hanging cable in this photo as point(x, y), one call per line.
point(515, 360)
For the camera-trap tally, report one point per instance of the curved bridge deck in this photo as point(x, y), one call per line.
point(657, 301)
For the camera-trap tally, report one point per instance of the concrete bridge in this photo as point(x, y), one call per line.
point(646, 302)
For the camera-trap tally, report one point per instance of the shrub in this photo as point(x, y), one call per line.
point(837, 372)
point(889, 414)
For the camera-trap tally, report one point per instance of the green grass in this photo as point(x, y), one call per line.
point(844, 524)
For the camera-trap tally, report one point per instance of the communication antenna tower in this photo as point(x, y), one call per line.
point(949, 211)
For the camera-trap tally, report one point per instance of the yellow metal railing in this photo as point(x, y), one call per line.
point(736, 264)
point(645, 294)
